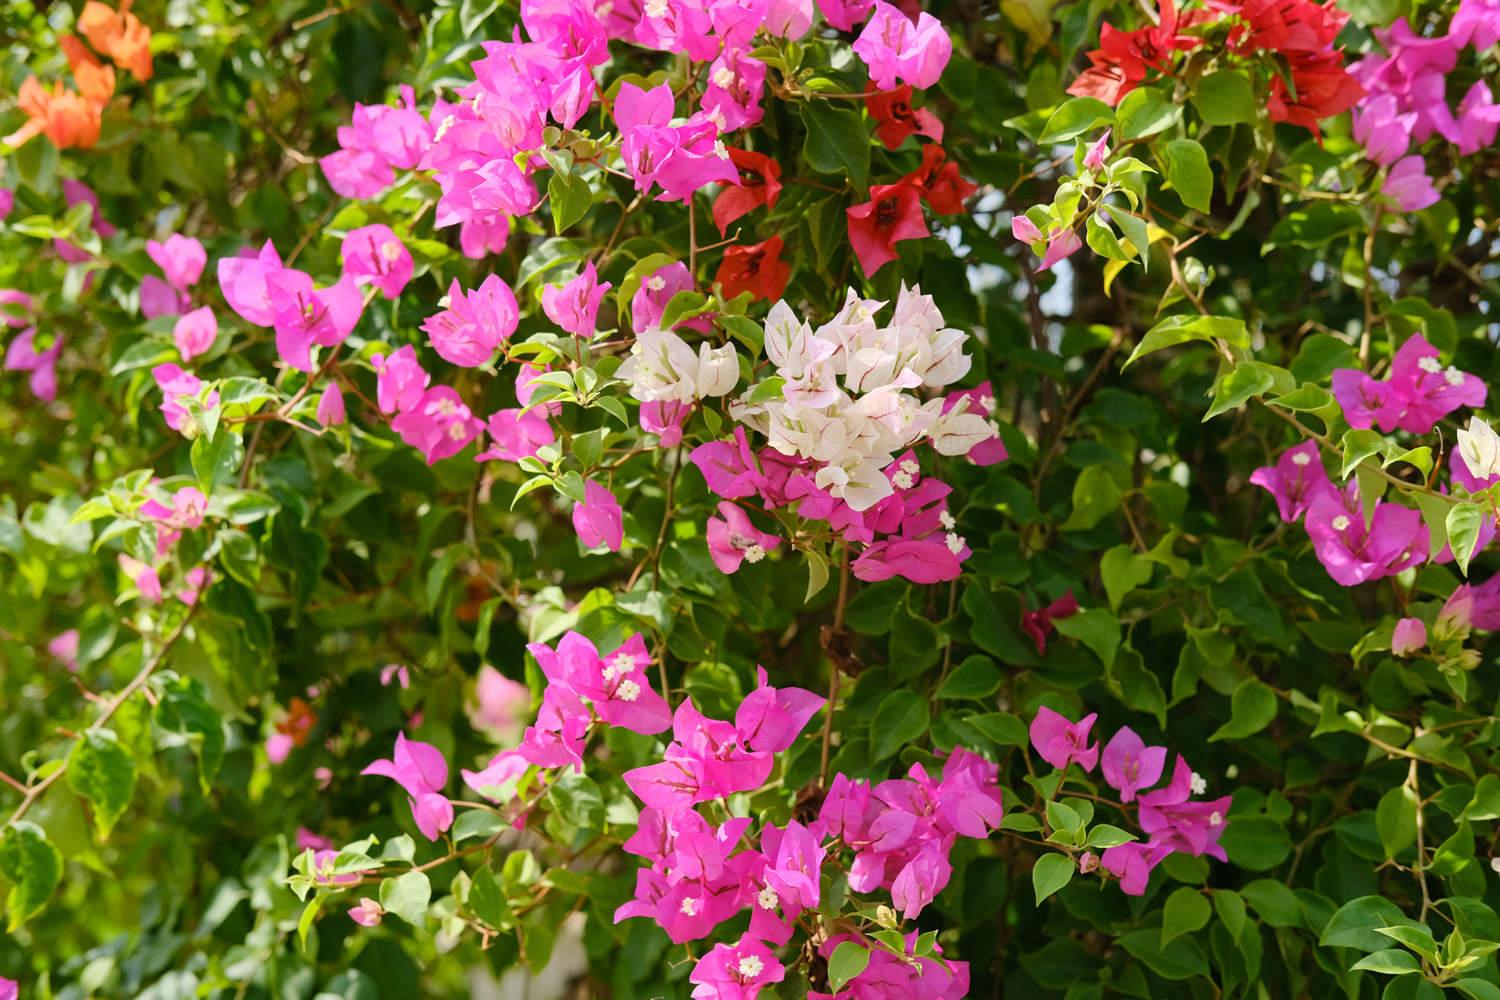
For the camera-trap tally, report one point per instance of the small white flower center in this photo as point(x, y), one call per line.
point(946, 520)
point(391, 251)
point(720, 150)
point(655, 283)
point(755, 553)
point(1214, 819)
point(1430, 365)
point(723, 77)
point(656, 8)
point(1340, 523)
point(1301, 458)
point(901, 480)
point(1199, 785)
point(988, 402)
point(689, 906)
point(954, 542)
point(750, 967)
point(767, 898)
point(1453, 376)
point(910, 467)
point(628, 691)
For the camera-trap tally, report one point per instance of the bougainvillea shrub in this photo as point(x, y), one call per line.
point(745, 499)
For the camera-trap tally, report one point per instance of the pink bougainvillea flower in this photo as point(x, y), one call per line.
point(304, 315)
point(1128, 765)
point(195, 332)
point(665, 420)
point(331, 411)
point(679, 158)
point(771, 718)
point(1419, 392)
point(616, 684)
point(64, 648)
point(732, 539)
point(650, 301)
point(574, 307)
point(1097, 153)
point(147, 582)
point(1060, 742)
point(421, 771)
point(1409, 636)
point(1133, 863)
point(401, 380)
point(845, 15)
point(181, 259)
point(194, 581)
point(893, 47)
point(527, 385)
point(243, 280)
point(1182, 825)
point(22, 355)
point(1382, 129)
point(1024, 229)
point(498, 703)
point(1297, 477)
point(474, 323)
point(735, 972)
point(736, 83)
point(367, 913)
point(397, 673)
point(160, 299)
point(1477, 23)
point(598, 519)
point(1352, 551)
point(1061, 244)
point(1408, 185)
point(439, 425)
point(729, 466)
point(893, 214)
point(759, 184)
point(375, 256)
point(789, 19)
point(980, 399)
point(896, 118)
point(1363, 399)
point(177, 387)
point(7, 202)
point(1038, 623)
point(1478, 118)
point(516, 434)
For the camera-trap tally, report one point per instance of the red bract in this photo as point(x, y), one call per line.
point(940, 183)
point(759, 184)
point(893, 214)
point(898, 119)
point(1120, 62)
point(1321, 88)
point(757, 269)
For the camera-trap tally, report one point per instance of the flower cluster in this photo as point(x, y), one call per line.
point(72, 118)
point(1294, 38)
point(1173, 823)
point(1406, 100)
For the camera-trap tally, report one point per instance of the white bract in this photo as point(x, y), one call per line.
point(1479, 446)
point(663, 368)
point(848, 400)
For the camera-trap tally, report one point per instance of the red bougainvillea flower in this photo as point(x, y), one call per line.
point(1120, 62)
point(939, 182)
point(757, 269)
point(121, 36)
point(893, 214)
point(1323, 88)
point(897, 119)
point(759, 184)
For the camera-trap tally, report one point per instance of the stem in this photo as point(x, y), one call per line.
point(36, 791)
point(833, 667)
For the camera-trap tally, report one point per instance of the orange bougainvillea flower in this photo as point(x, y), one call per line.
point(65, 117)
point(96, 82)
point(121, 36)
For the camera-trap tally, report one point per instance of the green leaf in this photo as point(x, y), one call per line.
point(1075, 117)
point(1182, 329)
point(487, 900)
point(407, 896)
point(1256, 843)
point(1225, 98)
point(976, 677)
point(1388, 962)
point(1238, 385)
point(902, 718)
point(1463, 524)
point(1315, 226)
point(571, 198)
point(1102, 240)
point(1134, 228)
point(1251, 709)
point(476, 824)
point(1353, 924)
point(1095, 628)
point(1396, 820)
point(1096, 495)
point(102, 771)
point(33, 868)
point(1185, 165)
point(1050, 873)
point(1146, 111)
point(1478, 989)
point(848, 960)
point(1123, 571)
point(1186, 910)
point(184, 710)
point(1230, 906)
point(836, 141)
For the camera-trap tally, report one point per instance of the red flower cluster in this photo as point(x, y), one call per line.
point(1308, 81)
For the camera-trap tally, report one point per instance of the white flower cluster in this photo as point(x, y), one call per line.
point(662, 368)
point(848, 399)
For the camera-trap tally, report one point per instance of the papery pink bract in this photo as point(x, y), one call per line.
point(574, 307)
point(516, 434)
point(1128, 765)
point(331, 411)
point(440, 425)
point(474, 323)
point(893, 47)
point(401, 380)
point(1297, 477)
point(375, 256)
point(419, 768)
point(1060, 742)
point(181, 259)
point(598, 519)
point(732, 539)
point(195, 332)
